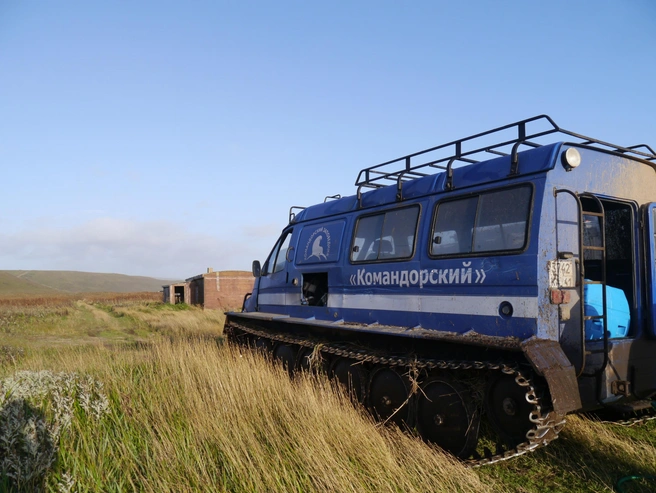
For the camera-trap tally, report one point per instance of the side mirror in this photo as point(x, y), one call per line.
point(257, 268)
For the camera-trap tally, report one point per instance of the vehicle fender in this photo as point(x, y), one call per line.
point(549, 361)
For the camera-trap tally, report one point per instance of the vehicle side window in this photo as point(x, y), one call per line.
point(278, 257)
point(453, 227)
point(489, 222)
point(367, 231)
point(390, 235)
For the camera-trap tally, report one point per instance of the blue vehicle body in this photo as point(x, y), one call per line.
point(456, 294)
point(487, 254)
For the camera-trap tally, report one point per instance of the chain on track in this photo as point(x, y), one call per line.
point(649, 415)
point(546, 427)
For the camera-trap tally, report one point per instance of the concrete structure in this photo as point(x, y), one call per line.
point(212, 290)
point(176, 293)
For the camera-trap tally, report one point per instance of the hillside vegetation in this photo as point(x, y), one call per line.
point(10, 285)
point(19, 282)
point(121, 393)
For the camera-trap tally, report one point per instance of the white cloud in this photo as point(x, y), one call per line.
point(153, 248)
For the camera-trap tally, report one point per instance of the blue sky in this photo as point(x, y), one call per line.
point(162, 138)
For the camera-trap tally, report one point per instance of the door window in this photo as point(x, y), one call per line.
point(278, 257)
point(281, 257)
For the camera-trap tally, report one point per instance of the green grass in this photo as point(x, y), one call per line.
point(589, 456)
point(186, 412)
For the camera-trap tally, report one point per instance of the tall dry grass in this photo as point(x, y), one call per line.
point(199, 416)
point(175, 320)
point(98, 318)
point(23, 301)
point(29, 321)
point(186, 412)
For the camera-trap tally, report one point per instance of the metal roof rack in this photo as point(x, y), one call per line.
point(444, 156)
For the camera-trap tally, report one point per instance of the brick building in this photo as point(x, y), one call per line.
point(212, 290)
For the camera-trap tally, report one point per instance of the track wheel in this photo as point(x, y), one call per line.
point(237, 336)
point(447, 416)
point(351, 375)
point(305, 362)
point(263, 345)
point(507, 409)
point(388, 395)
point(233, 335)
point(303, 359)
point(286, 354)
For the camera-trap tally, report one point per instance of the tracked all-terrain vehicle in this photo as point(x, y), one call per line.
point(477, 291)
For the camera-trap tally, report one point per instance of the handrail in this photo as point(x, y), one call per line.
point(360, 196)
point(292, 214)
point(581, 280)
point(380, 175)
point(399, 187)
point(449, 173)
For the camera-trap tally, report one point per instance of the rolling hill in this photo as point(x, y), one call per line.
point(45, 282)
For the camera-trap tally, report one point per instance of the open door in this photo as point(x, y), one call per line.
point(593, 278)
point(651, 265)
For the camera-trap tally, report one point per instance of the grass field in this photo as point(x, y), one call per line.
point(123, 393)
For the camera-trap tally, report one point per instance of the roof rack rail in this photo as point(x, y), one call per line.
point(406, 167)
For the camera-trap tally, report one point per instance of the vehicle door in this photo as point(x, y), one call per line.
point(651, 265)
point(276, 288)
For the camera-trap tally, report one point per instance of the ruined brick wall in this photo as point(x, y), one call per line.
point(226, 290)
point(196, 291)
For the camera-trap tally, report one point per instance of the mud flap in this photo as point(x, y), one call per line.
point(549, 360)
